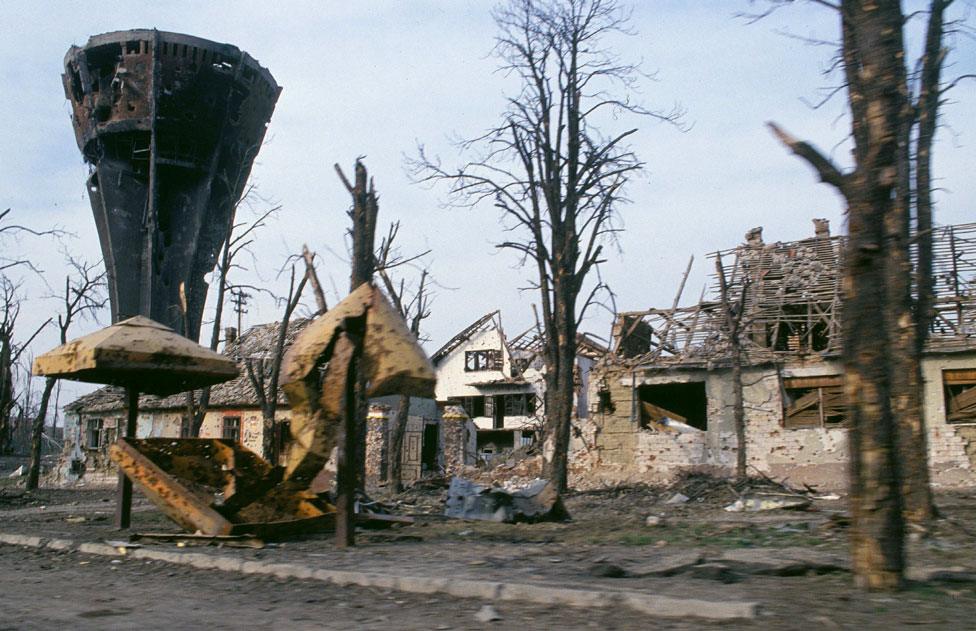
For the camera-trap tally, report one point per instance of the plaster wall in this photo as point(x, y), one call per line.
point(614, 447)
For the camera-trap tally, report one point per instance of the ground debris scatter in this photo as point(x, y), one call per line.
point(787, 561)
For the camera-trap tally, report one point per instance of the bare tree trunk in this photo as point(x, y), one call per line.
point(874, 316)
point(560, 388)
point(397, 433)
point(351, 461)
point(877, 536)
point(919, 504)
point(6, 394)
point(733, 324)
point(37, 432)
point(313, 279)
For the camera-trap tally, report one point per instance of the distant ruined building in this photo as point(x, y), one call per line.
point(662, 401)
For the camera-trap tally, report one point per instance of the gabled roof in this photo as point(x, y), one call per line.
point(484, 323)
point(257, 342)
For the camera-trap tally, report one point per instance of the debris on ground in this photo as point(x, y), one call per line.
point(745, 495)
point(536, 501)
point(18, 472)
point(185, 539)
point(761, 503)
point(678, 498)
point(487, 614)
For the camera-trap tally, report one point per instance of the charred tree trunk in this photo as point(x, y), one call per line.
point(875, 319)
point(6, 392)
point(875, 68)
point(351, 460)
point(37, 435)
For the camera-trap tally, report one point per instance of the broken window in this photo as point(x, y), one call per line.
point(93, 433)
point(521, 364)
point(959, 387)
point(473, 406)
point(490, 359)
point(232, 428)
point(668, 405)
point(814, 402)
point(519, 404)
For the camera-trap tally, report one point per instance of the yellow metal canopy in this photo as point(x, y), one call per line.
point(137, 353)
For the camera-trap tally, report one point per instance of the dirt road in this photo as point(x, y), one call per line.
point(47, 590)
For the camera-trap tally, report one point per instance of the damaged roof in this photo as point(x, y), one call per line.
point(790, 295)
point(256, 343)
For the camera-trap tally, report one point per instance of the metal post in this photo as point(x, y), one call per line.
point(123, 493)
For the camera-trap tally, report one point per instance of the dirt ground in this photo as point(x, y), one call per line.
point(606, 545)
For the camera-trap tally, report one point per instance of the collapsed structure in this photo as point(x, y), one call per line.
point(662, 401)
point(92, 422)
point(500, 382)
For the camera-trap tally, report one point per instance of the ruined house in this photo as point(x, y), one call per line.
point(500, 382)
point(662, 401)
point(92, 421)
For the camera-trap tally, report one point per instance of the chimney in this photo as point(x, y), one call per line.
point(821, 228)
point(230, 335)
point(754, 237)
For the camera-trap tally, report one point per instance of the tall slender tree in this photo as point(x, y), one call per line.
point(413, 304)
point(263, 372)
point(556, 177)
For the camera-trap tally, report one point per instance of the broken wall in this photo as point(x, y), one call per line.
point(613, 447)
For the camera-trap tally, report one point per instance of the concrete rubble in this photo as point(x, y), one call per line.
point(537, 501)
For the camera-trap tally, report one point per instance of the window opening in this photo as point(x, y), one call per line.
point(668, 403)
point(232, 428)
point(814, 402)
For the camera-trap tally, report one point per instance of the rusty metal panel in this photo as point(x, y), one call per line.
point(218, 487)
point(181, 504)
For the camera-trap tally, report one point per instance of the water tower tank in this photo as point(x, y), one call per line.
point(170, 125)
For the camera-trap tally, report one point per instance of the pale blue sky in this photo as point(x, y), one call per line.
point(374, 77)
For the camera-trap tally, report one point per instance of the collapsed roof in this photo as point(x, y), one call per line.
point(790, 296)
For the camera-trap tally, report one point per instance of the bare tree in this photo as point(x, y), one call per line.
point(240, 239)
point(10, 353)
point(313, 278)
point(11, 297)
point(872, 55)
point(414, 309)
point(351, 452)
point(263, 372)
point(83, 296)
point(8, 229)
point(556, 179)
point(732, 314)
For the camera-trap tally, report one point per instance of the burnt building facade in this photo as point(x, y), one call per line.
point(662, 402)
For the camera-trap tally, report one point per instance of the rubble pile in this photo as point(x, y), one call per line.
point(754, 493)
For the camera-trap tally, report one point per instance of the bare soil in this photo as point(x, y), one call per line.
point(603, 546)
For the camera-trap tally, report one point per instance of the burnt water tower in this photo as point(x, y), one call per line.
point(170, 125)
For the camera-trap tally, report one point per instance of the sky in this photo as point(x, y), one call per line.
point(376, 78)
